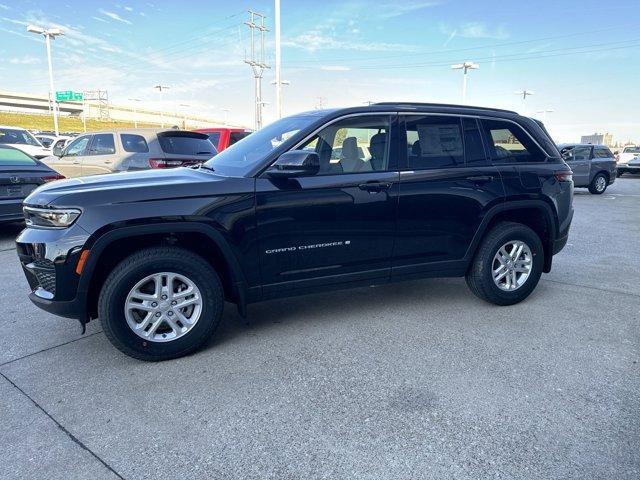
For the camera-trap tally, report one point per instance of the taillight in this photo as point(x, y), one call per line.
point(51, 178)
point(563, 175)
point(164, 163)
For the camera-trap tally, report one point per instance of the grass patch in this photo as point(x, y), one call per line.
point(65, 124)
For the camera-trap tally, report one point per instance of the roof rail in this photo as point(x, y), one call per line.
point(424, 104)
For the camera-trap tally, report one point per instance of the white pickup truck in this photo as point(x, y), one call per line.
point(629, 160)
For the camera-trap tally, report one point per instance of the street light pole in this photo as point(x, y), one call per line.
point(184, 115)
point(160, 88)
point(524, 93)
point(544, 113)
point(278, 61)
point(135, 112)
point(226, 115)
point(49, 34)
point(465, 67)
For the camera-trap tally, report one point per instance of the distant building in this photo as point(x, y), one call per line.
point(598, 139)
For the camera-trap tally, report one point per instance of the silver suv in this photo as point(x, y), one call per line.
point(134, 149)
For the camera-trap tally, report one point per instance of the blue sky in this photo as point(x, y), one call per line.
point(581, 58)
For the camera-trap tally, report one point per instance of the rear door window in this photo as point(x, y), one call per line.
point(433, 142)
point(576, 154)
point(134, 143)
point(236, 137)
point(602, 152)
point(186, 145)
point(103, 144)
point(214, 137)
point(508, 143)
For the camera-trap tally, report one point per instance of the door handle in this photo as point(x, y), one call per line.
point(76, 162)
point(374, 186)
point(480, 179)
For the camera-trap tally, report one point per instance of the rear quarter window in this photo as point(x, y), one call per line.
point(509, 143)
point(185, 145)
point(134, 143)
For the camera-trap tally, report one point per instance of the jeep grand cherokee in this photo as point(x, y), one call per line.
point(444, 191)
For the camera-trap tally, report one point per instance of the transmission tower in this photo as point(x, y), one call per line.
point(256, 60)
point(101, 99)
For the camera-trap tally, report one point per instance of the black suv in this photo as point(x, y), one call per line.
point(417, 190)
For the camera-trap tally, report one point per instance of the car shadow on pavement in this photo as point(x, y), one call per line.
point(429, 296)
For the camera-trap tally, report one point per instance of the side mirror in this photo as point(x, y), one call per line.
point(295, 163)
point(58, 151)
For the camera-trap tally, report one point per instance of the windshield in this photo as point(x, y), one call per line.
point(12, 136)
point(240, 158)
point(631, 150)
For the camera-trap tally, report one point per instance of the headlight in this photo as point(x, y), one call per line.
point(50, 217)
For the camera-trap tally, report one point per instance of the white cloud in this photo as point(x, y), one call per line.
point(26, 60)
point(114, 16)
point(334, 68)
point(475, 30)
point(396, 9)
point(4, 7)
point(315, 40)
point(128, 9)
point(100, 19)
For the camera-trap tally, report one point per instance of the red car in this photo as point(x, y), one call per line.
point(224, 137)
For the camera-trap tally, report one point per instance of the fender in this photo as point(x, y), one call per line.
point(552, 221)
point(101, 242)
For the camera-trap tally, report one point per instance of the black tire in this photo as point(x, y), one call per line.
point(620, 173)
point(480, 278)
point(135, 268)
point(594, 187)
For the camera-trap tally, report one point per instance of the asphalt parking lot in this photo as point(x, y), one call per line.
point(413, 380)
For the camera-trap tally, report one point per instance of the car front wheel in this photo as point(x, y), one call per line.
point(507, 265)
point(161, 303)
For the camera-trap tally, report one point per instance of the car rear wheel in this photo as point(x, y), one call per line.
point(161, 303)
point(507, 265)
point(598, 184)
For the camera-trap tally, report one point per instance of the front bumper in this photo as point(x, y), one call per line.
point(629, 168)
point(48, 258)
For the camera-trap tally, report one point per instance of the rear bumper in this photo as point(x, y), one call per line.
point(629, 168)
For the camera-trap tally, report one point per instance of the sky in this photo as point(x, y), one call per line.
point(580, 58)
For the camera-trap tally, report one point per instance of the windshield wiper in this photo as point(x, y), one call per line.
point(204, 153)
point(202, 165)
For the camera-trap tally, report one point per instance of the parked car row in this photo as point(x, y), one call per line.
point(135, 149)
point(20, 174)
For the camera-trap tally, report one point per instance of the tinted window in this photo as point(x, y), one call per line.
point(45, 141)
point(508, 143)
point(473, 149)
point(134, 143)
point(17, 137)
point(353, 145)
point(631, 150)
point(602, 153)
point(433, 142)
point(576, 153)
point(185, 145)
point(214, 137)
point(103, 144)
point(77, 147)
point(237, 136)
point(13, 156)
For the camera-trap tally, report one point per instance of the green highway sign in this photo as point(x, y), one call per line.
point(69, 96)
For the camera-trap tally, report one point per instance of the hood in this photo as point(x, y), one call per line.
point(131, 187)
point(33, 150)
